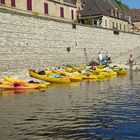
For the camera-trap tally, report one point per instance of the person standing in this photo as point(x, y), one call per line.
point(131, 61)
point(100, 58)
point(108, 58)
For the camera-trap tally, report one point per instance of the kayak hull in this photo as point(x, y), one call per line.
point(49, 78)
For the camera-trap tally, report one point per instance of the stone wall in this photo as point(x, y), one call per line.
point(33, 42)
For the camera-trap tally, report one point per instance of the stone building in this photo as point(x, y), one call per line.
point(135, 17)
point(28, 41)
point(106, 14)
point(62, 9)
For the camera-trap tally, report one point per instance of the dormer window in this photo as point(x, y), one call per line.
point(118, 14)
point(112, 14)
point(89, 9)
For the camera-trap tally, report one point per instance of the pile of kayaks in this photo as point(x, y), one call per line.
point(76, 73)
point(61, 75)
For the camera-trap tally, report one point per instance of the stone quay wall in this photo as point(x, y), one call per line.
point(35, 42)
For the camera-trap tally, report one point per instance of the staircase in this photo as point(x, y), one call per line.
point(123, 58)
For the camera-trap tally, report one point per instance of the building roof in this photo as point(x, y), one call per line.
point(71, 1)
point(113, 3)
point(135, 14)
point(65, 2)
point(99, 7)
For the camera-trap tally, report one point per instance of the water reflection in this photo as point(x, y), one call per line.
point(64, 85)
point(87, 110)
point(18, 92)
point(131, 74)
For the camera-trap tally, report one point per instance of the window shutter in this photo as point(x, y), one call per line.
point(2, 1)
point(61, 12)
point(72, 14)
point(46, 8)
point(29, 5)
point(13, 3)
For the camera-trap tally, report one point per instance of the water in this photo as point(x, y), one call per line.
point(108, 110)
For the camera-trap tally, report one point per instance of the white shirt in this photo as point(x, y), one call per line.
point(100, 57)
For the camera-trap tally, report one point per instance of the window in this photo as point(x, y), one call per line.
point(72, 14)
point(124, 27)
point(61, 12)
point(2, 1)
point(29, 5)
point(13, 3)
point(113, 25)
point(117, 14)
point(120, 14)
point(120, 27)
point(116, 32)
point(95, 22)
point(46, 8)
point(105, 22)
point(114, 13)
point(116, 25)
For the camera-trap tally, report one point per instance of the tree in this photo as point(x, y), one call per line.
point(122, 5)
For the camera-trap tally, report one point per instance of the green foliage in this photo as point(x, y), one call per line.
point(122, 5)
point(88, 21)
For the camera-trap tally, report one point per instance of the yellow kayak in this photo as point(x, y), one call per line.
point(101, 66)
point(92, 76)
point(11, 81)
point(100, 76)
point(112, 73)
point(74, 77)
point(48, 78)
point(106, 74)
point(98, 70)
point(121, 72)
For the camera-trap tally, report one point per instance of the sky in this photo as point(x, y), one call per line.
point(132, 3)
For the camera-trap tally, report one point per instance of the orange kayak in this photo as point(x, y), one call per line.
point(19, 87)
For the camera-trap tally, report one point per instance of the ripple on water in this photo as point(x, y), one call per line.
point(108, 110)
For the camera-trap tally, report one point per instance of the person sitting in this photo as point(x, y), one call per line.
point(42, 72)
